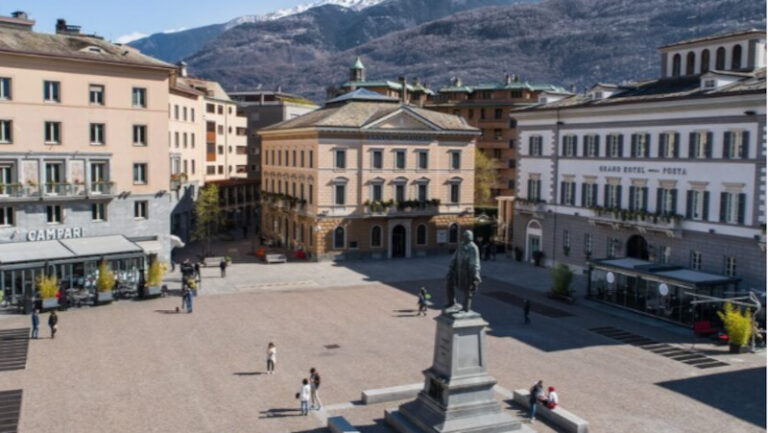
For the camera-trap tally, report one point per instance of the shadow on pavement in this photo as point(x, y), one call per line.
point(280, 413)
point(248, 373)
point(748, 403)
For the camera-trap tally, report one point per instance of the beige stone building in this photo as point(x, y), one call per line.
point(368, 176)
point(83, 154)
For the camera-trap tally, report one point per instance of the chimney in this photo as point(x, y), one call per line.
point(62, 28)
point(182, 65)
point(17, 21)
point(403, 89)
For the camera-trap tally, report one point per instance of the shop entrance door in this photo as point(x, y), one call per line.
point(398, 241)
point(637, 247)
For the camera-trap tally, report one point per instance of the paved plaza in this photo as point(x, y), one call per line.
point(138, 366)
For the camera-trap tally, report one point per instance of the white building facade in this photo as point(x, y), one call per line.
point(671, 171)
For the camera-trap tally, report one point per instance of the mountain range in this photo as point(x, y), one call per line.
point(562, 42)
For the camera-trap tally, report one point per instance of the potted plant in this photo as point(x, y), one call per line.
point(154, 279)
point(562, 277)
point(48, 288)
point(104, 285)
point(538, 256)
point(738, 325)
point(518, 254)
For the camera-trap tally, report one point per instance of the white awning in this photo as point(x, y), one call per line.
point(176, 242)
point(100, 245)
point(151, 247)
point(16, 252)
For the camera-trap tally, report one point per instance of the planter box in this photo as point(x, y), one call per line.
point(153, 291)
point(50, 303)
point(103, 297)
point(738, 349)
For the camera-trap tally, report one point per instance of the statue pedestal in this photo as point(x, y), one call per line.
point(458, 392)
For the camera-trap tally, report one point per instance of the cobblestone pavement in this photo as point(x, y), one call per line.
point(137, 366)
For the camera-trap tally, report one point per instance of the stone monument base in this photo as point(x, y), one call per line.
point(458, 394)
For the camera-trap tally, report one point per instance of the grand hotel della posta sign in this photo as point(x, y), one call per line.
point(53, 234)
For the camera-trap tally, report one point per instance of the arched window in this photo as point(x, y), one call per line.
point(704, 61)
point(453, 233)
point(720, 59)
point(338, 238)
point(421, 234)
point(690, 63)
point(376, 237)
point(736, 57)
point(676, 65)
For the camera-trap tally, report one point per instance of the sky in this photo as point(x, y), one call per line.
point(119, 20)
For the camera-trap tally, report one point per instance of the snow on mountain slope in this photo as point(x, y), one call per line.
point(276, 15)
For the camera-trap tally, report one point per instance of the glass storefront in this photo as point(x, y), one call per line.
point(664, 291)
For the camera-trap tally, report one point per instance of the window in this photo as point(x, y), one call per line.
point(421, 234)
point(421, 192)
point(732, 207)
point(666, 201)
point(612, 246)
point(588, 195)
point(676, 65)
point(568, 193)
point(511, 163)
point(5, 89)
point(6, 216)
point(736, 57)
point(498, 113)
point(695, 260)
point(220, 131)
point(641, 145)
point(614, 146)
point(455, 193)
point(455, 160)
point(176, 139)
point(139, 173)
point(6, 134)
point(669, 145)
point(51, 91)
point(140, 135)
point(96, 94)
point(612, 197)
point(535, 145)
point(311, 159)
point(569, 145)
point(588, 243)
point(697, 207)
point(497, 153)
point(592, 146)
point(497, 135)
point(471, 114)
point(193, 166)
point(211, 169)
point(700, 145)
point(730, 266)
point(377, 161)
point(220, 151)
point(510, 183)
point(311, 194)
point(140, 209)
point(294, 157)
point(191, 114)
point(704, 61)
point(176, 112)
point(736, 144)
point(302, 159)
point(53, 214)
point(566, 241)
point(338, 238)
point(720, 59)
point(339, 194)
point(400, 159)
point(453, 233)
point(98, 212)
point(482, 114)
point(341, 159)
point(423, 158)
point(210, 108)
point(220, 109)
point(376, 237)
point(139, 97)
point(690, 63)
point(185, 140)
point(638, 198)
point(52, 132)
point(376, 192)
point(534, 190)
point(97, 133)
point(400, 192)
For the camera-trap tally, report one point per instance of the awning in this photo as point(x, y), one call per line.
point(151, 247)
point(100, 245)
point(176, 242)
point(16, 252)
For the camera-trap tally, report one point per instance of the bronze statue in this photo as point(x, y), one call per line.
point(463, 274)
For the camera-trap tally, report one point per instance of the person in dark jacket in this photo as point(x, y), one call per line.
point(536, 395)
point(223, 267)
point(53, 321)
point(35, 323)
point(527, 312)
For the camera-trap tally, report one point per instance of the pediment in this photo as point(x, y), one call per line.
point(402, 120)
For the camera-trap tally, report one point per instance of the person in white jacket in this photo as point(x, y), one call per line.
point(552, 399)
point(304, 397)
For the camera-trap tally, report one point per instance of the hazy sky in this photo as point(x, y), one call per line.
point(116, 19)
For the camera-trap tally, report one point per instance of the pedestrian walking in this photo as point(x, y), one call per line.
point(197, 270)
point(223, 267)
point(53, 323)
point(314, 381)
point(536, 395)
point(423, 296)
point(527, 311)
point(303, 396)
point(35, 323)
point(271, 358)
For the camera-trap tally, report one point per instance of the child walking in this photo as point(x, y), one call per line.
point(271, 358)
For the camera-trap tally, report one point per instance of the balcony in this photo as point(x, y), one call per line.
point(536, 208)
point(12, 190)
point(642, 221)
point(106, 188)
point(405, 208)
point(53, 191)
